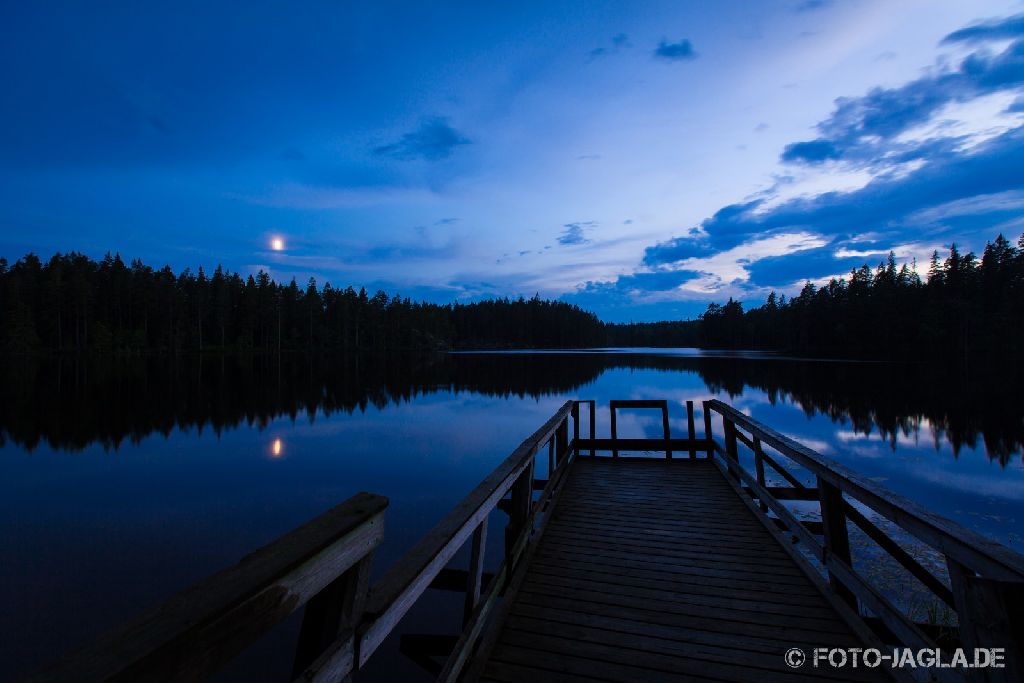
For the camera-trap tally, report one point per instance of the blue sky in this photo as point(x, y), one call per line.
point(638, 159)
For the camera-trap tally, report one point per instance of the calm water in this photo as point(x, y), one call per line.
point(120, 486)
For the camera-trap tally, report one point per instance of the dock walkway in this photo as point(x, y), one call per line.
point(654, 570)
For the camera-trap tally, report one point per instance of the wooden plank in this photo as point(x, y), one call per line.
point(722, 662)
point(683, 584)
point(707, 622)
point(761, 602)
point(675, 558)
point(515, 673)
point(746, 613)
point(655, 517)
point(567, 663)
point(763, 643)
point(598, 564)
point(627, 540)
point(199, 630)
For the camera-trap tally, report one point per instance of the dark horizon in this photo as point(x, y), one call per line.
point(70, 303)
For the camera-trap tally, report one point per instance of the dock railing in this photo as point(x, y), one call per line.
point(986, 579)
point(403, 584)
point(324, 565)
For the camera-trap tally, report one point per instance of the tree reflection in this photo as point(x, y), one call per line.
point(74, 402)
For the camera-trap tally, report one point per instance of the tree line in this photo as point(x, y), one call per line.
point(966, 306)
point(73, 303)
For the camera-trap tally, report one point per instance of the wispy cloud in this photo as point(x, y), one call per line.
point(435, 139)
point(575, 233)
point(811, 5)
point(902, 168)
point(675, 52)
point(994, 29)
point(620, 41)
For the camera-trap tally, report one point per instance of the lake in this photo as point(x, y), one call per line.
point(122, 483)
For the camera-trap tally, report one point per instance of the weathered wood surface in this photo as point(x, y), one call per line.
point(196, 632)
point(656, 570)
point(963, 545)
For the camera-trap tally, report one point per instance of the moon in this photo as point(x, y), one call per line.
point(277, 244)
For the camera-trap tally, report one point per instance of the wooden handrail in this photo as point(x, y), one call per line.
point(392, 596)
point(971, 549)
point(985, 576)
point(675, 444)
point(659, 404)
point(201, 629)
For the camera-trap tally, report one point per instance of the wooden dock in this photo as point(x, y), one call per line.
point(655, 570)
point(691, 563)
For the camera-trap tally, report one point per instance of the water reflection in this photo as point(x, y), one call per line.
point(208, 459)
point(73, 403)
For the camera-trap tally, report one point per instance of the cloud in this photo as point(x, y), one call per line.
point(885, 125)
point(434, 140)
point(620, 41)
point(811, 5)
point(675, 52)
point(995, 29)
point(785, 269)
point(574, 233)
point(810, 152)
point(910, 169)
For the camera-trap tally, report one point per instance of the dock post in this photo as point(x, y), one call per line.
point(476, 570)
point(759, 470)
point(729, 428)
point(837, 537)
point(519, 511)
point(576, 426)
point(989, 614)
point(561, 443)
point(707, 429)
point(689, 429)
point(333, 612)
point(593, 426)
